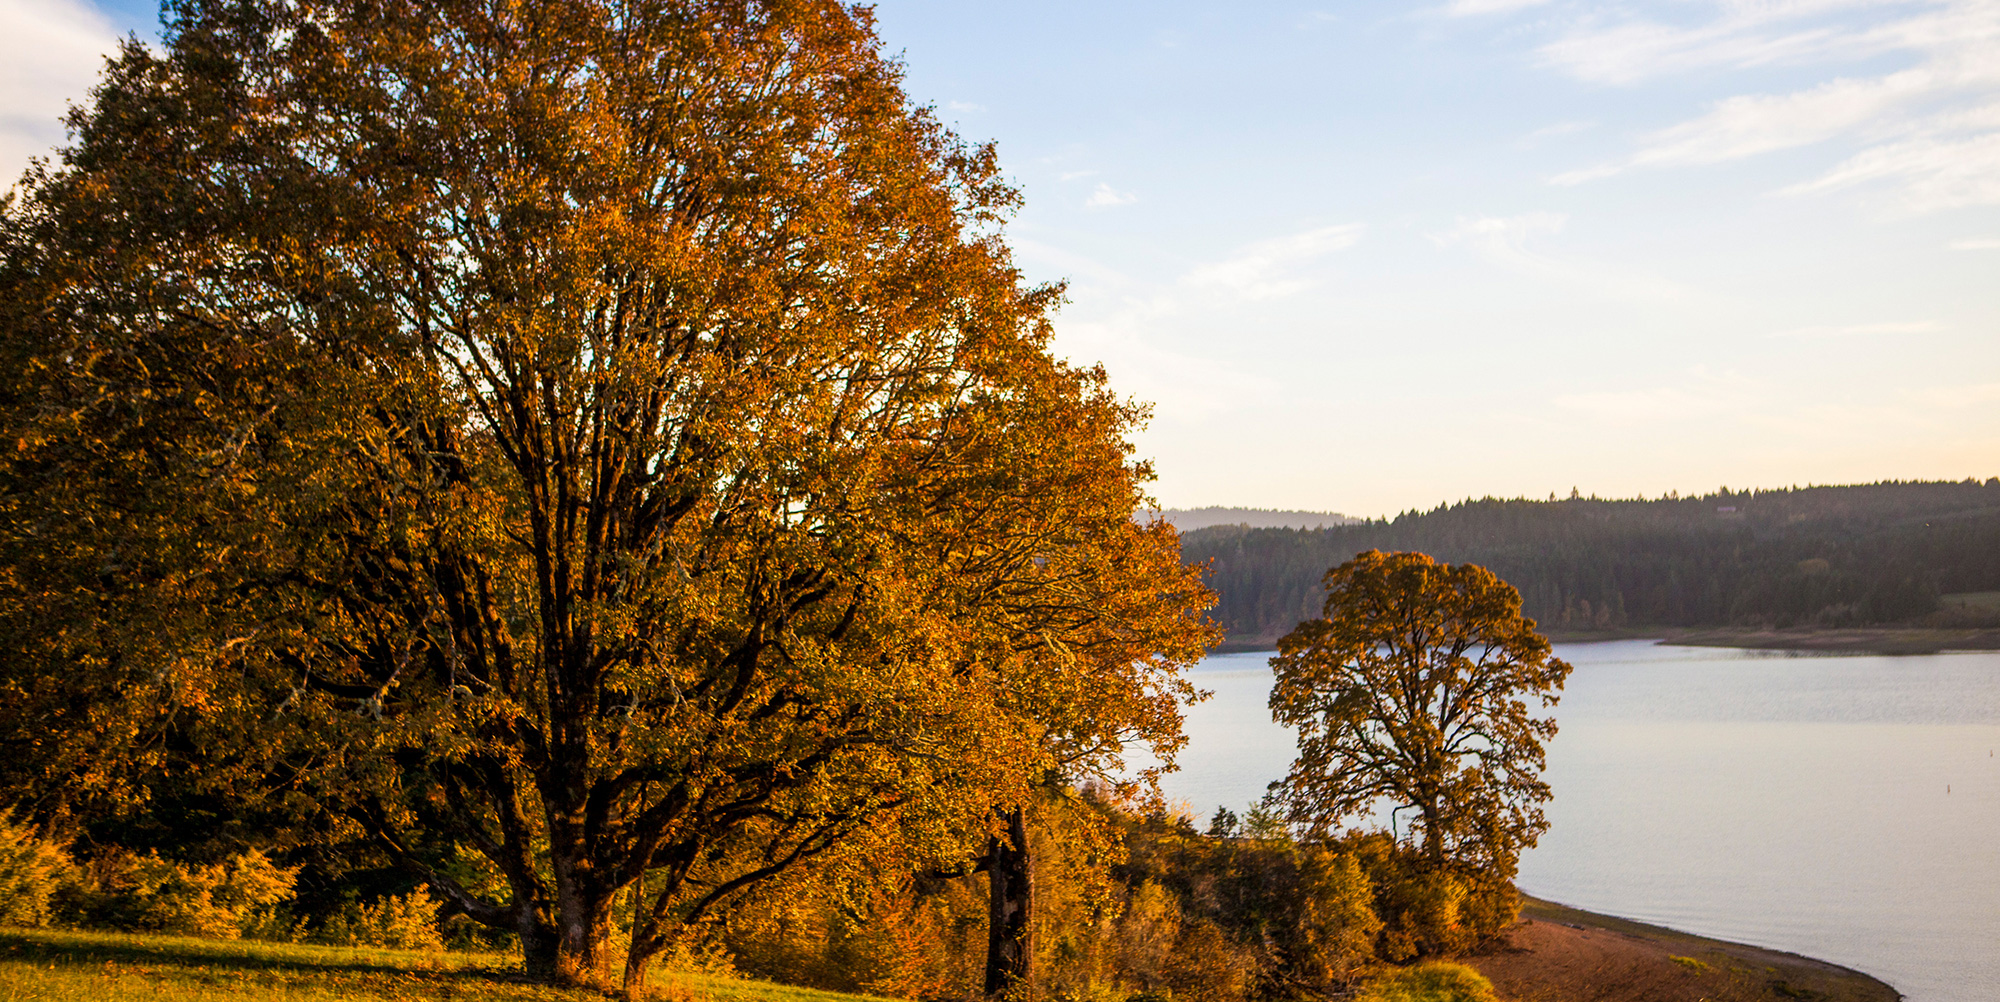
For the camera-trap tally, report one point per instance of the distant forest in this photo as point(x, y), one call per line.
point(1189, 519)
point(1823, 556)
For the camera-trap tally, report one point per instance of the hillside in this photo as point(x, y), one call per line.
point(1819, 556)
point(1189, 519)
point(1554, 954)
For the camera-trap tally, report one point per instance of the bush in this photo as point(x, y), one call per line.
point(31, 872)
point(1431, 982)
point(1428, 912)
point(131, 893)
point(399, 922)
point(1330, 931)
point(1300, 919)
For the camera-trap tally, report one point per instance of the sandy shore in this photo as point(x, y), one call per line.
point(1878, 640)
point(1561, 954)
point(1867, 640)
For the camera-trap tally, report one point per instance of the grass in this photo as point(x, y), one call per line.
point(1434, 981)
point(1972, 599)
point(38, 965)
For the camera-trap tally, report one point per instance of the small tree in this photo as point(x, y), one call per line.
point(1414, 689)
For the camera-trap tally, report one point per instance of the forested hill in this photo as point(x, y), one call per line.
point(1832, 556)
point(1189, 519)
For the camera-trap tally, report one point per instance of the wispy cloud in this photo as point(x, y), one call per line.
point(1472, 8)
point(1501, 237)
point(965, 107)
point(1186, 386)
point(1272, 268)
point(1975, 244)
point(1852, 330)
point(1605, 47)
point(1126, 321)
point(1934, 171)
point(50, 52)
point(1105, 196)
point(1504, 241)
point(1555, 131)
point(1929, 130)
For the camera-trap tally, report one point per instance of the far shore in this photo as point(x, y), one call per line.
point(1560, 954)
point(1858, 640)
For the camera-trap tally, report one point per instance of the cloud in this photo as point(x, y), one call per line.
point(1503, 240)
point(1929, 129)
point(1106, 196)
point(1553, 131)
point(1185, 386)
point(1270, 268)
point(50, 53)
point(1933, 172)
point(1914, 327)
point(1634, 51)
point(1472, 8)
point(1128, 321)
point(965, 107)
point(1976, 244)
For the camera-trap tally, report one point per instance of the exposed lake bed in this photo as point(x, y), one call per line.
point(1838, 806)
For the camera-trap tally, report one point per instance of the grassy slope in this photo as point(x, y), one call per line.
point(47, 966)
point(1557, 954)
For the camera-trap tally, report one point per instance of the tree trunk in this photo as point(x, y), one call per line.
point(1010, 944)
point(583, 921)
point(540, 947)
point(571, 951)
point(636, 965)
point(1433, 835)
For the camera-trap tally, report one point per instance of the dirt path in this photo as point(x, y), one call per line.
point(1559, 954)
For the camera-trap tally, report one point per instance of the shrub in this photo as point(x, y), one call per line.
point(31, 871)
point(1435, 981)
point(400, 922)
point(1331, 929)
point(120, 890)
point(1429, 912)
point(1209, 966)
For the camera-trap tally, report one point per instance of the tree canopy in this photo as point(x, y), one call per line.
point(1414, 690)
point(604, 441)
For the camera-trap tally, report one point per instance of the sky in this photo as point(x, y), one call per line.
point(1371, 257)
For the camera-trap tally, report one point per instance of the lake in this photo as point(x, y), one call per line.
point(1842, 807)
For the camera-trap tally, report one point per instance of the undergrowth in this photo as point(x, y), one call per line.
point(41, 965)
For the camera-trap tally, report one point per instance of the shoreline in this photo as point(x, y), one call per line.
point(1891, 640)
point(1556, 953)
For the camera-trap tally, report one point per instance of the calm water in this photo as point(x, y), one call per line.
point(1847, 808)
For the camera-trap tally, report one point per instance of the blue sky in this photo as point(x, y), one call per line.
point(1373, 256)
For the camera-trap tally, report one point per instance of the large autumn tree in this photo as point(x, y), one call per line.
point(607, 439)
point(1418, 690)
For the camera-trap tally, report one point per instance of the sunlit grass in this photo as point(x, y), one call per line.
point(50, 966)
